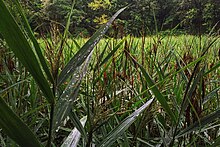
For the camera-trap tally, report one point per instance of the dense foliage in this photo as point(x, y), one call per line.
point(161, 89)
point(142, 16)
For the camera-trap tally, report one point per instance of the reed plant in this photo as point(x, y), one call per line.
point(161, 90)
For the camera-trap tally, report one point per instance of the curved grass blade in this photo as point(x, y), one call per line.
point(16, 40)
point(73, 138)
point(87, 48)
point(154, 90)
point(15, 128)
point(35, 43)
point(216, 143)
point(70, 93)
point(213, 68)
point(210, 95)
point(112, 52)
point(119, 130)
point(76, 122)
point(200, 124)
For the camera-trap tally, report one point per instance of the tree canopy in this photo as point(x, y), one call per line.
point(142, 16)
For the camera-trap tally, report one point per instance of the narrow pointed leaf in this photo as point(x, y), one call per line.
point(155, 91)
point(73, 138)
point(119, 130)
point(77, 123)
point(198, 125)
point(210, 95)
point(15, 128)
point(215, 67)
point(112, 52)
point(216, 142)
point(70, 93)
point(87, 48)
point(35, 43)
point(16, 40)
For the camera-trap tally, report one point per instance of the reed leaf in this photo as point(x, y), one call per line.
point(19, 44)
point(73, 138)
point(77, 70)
point(200, 124)
point(68, 96)
point(112, 52)
point(36, 45)
point(119, 130)
point(154, 90)
point(77, 123)
point(87, 48)
point(15, 128)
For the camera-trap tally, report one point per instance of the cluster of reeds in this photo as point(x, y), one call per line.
point(149, 91)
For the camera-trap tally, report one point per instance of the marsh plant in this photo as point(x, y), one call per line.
point(161, 90)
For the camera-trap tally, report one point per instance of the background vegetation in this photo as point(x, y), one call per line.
point(189, 16)
point(152, 80)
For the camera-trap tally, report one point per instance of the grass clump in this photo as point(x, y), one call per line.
point(161, 90)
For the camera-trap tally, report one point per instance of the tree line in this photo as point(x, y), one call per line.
point(142, 17)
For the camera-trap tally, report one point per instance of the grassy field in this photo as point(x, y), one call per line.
point(116, 85)
point(161, 90)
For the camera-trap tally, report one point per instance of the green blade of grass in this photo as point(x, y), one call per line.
point(119, 130)
point(73, 138)
point(155, 91)
point(215, 67)
point(191, 91)
point(210, 95)
point(76, 122)
point(13, 85)
point(35, 43)
point(61, 45)
point(15, 128)
point(16, 40)
point(68, 96)
point(112, 52)
point(157, 94)
point(87, 48)
point(216, 142)
point(200, 124)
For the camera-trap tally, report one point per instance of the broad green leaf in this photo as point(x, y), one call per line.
point(15, 128)
point(73, 138)
point(19, 44)
point(119, 130)
point(87, 48)
point(68, 96)
point(77, 70)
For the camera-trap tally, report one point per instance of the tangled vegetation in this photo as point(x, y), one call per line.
point(60, 90)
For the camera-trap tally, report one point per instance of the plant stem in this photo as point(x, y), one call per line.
point(50, 137)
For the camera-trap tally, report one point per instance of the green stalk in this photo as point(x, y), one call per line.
point(50, 133)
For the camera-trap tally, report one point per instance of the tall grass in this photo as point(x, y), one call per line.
point(161, 90)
